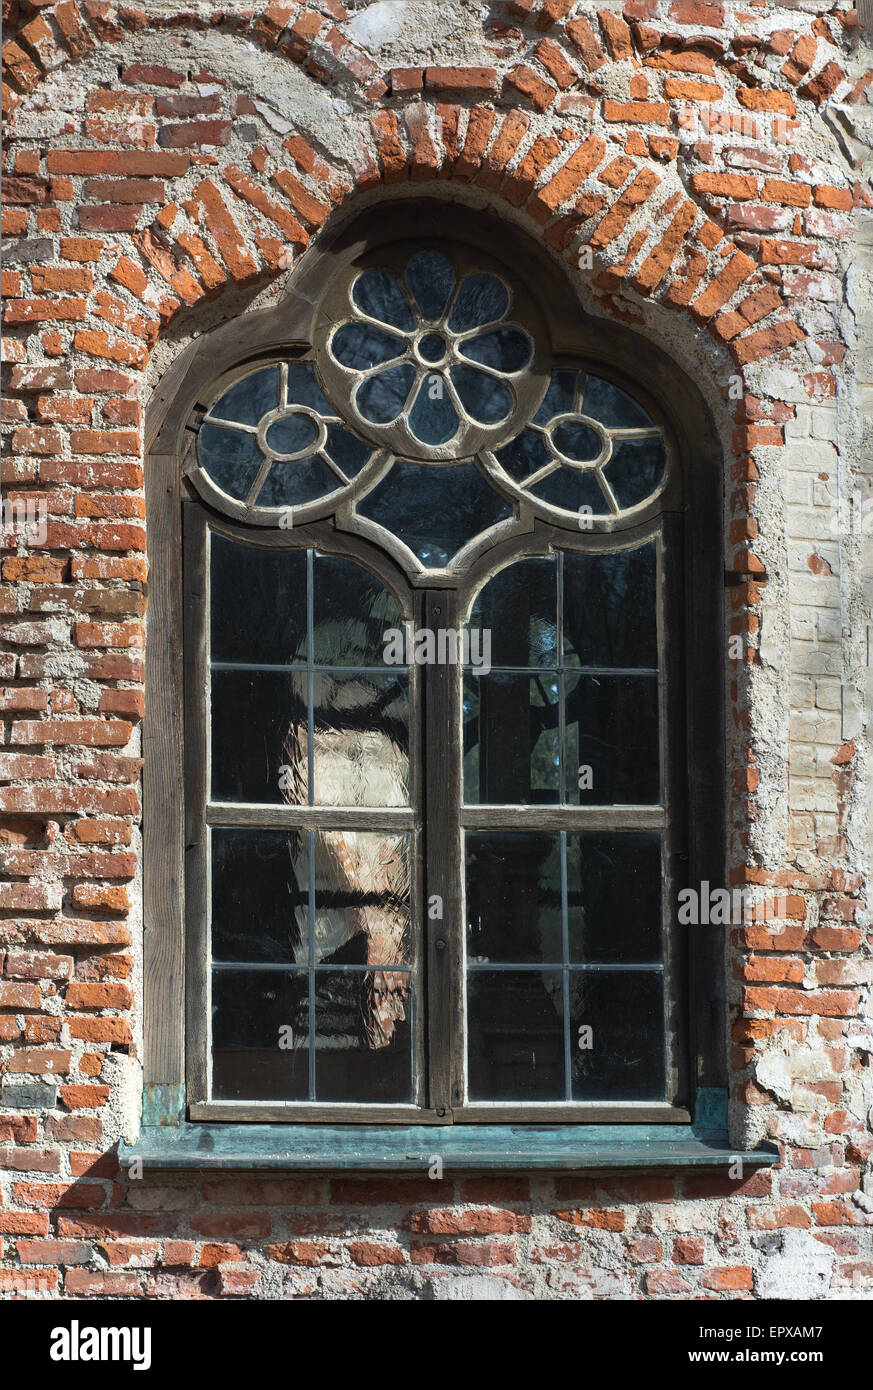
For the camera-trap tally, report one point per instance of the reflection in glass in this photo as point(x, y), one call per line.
point(231, 459)
point(271, 584)
point(361, 898)
point(363, 1037)
point(481, 299)
point(360, 740)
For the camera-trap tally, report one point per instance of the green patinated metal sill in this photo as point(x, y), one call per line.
point(461, 1148)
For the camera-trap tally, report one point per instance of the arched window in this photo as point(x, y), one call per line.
point(452, 733)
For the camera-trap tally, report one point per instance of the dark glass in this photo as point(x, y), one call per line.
point(523, 455)
point(577, 441)
point(292, 484)
point(434, 511)
point(378, 294)
point(231, 458)
point(359, 346)
point(249, 398)
point(636, 469)
point(515, 1040)
point(258, 727)
point(609, 608)
point(361, 898)
point(361, 740)
point(519, 607)
point(481, 299)
point(433, 419)
point(506, 349)
point(483, 397)
point(252, 1011)
point(260, 895)
point(352, 611)
point(513, 895)
point(268, 587)
point(347, 451)
point(431, 279)
point(614, 896)
point(290, 433)
point(560, 397)
point(625, 1011)
point(572, 489)
point(432, 347)
point(612, 727)
point(363, 1036)
point(381, 397)
point(511, 740)
point(611, 406)
point(303, 388)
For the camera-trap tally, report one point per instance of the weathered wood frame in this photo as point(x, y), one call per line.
point(696, 629)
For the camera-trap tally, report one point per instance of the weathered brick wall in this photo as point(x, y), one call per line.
point(164, 170)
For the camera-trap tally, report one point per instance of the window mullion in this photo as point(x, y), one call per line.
point(442, 908)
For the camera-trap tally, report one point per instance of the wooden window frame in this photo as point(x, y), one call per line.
point(697, 727)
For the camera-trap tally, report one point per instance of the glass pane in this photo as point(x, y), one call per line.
point(231, 458)
point(260, 1035)
point(362, 898)
point(577, 441)
point(560, 397)
point(292, 484)
point(523, 455)
point(515, 1043)
point(433, 419)
point(303, 388)
point(506, 349)
point(249, 398)
point(270, 587)
point(359, 346)
point(612, 740)
point(611, 406)
point(291, 433)
point(352, 613)
point(483, 397)
point(614, 896)
point(511, 740)
point(609, 609)
point(348, 453)
point(519, 607)
point(361, 740)
point(513, 892)
point(572, 489)
point(378, 294)
point(260, 895)
point(431, 279)
point(381, 397)
point(258, 736)
point(481, 299)
point(363, 1036)
point(622, 1057)
point(636, 469)
point(434, 511)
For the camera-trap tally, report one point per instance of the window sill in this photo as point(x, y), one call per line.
point(461, 1148)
